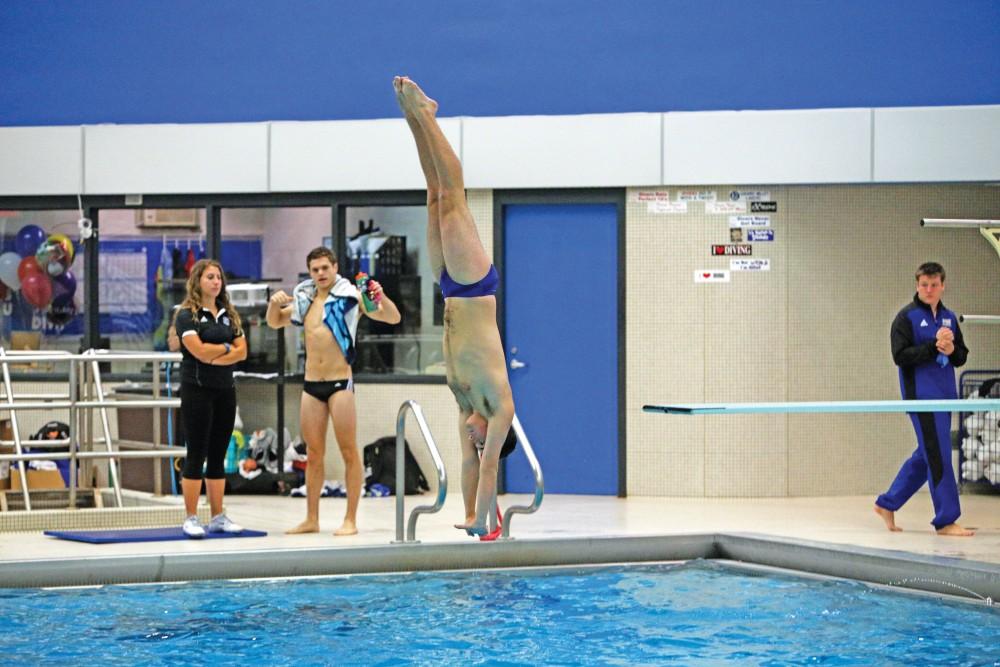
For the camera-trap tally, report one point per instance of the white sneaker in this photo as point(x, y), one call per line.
point(192, 528)
point(220, 523)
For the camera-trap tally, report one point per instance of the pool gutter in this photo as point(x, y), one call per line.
point(949, 576)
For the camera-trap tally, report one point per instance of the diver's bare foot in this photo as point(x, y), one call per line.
point(411, 99)
point(307, 526)
point(889, 518)
point(348, 528)
point(955, 530)
point(471, 527)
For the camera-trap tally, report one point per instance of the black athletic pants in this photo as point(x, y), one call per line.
point(208, 416)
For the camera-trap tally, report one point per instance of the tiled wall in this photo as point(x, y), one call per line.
point(814, 327)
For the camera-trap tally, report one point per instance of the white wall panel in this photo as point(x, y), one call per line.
point(349, 155)
point(168, 159)
point(774, 147)
point(562, 151)
point(937, 144)
point(41, 160)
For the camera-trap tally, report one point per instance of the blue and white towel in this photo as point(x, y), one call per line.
point(341, 311)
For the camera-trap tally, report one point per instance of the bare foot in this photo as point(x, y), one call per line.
point(411, 99)
point(348, 528)
point(889, 518)
point(307, 526)
point(955, 530)
point(472, 528)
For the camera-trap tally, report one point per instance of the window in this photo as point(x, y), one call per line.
point(41, 282)
point(390, 244)
point(144, 256)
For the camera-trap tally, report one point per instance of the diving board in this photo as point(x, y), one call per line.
point(954, 405)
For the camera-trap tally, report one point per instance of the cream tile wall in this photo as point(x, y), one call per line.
point(814, 327)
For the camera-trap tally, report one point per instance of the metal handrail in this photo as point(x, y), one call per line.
point(162, 453)
point(40, 444)
point(104, 403)
point(15, 428)
point(116, 484)
point(536, 469)
point(418, 414)
point(91, 359)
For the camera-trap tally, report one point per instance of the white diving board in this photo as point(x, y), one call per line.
point(954, 405)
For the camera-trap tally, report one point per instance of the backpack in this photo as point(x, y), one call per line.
point(380, 459)
point(53, 430)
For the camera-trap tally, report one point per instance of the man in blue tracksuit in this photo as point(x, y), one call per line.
point(927, 346)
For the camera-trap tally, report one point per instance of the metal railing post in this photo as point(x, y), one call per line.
point(9, 389)
point(157, 468)
point(536, 469)
point(73, 435)
point(418, 414)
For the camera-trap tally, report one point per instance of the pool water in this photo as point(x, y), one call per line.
point(698, 613)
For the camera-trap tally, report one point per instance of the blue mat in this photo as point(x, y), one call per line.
point(140, 535)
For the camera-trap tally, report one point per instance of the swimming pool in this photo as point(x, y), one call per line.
point(694, 613)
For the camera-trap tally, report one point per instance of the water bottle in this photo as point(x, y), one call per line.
point(363, 281)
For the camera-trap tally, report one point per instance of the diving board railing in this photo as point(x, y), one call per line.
point(412, 407)
point(979, 319)
point(536, 471)
point(84, 376)
point(946, 405)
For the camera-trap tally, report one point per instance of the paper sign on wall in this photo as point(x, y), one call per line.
point(749, 221)
point(696, 195)
point(750, 195)
point(641, 196)
point(739, 249)
point(667, 207)
point(722, 207)
point(760, 235)
point(711, 276)
point(749, 265)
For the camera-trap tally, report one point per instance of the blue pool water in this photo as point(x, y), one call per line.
point(698, 613)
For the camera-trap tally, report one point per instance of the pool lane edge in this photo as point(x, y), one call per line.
point(951, 576)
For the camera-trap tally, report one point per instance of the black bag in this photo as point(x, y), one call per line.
point(53, 430)
point(380, 458)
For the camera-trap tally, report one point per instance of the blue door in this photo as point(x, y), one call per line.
point(561, 311)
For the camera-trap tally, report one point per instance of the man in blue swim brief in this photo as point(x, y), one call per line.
point(476, 369)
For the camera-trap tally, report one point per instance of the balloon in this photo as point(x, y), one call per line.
point(28, 239)
point(26, 266)
point(9, 262)
point(52, 256)
point(62, 310)
point(36, 288)
point(67, 247)
point(63, 285)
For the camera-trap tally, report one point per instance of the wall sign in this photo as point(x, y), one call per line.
point(711, 276)
point(760, 235)
point(749, 265)
point(732, 249)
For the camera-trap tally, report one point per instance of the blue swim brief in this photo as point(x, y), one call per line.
point(486, 286)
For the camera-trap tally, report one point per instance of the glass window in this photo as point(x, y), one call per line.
point(389, 243)
point(41, 282)
point(143, 262)
point(264, 250)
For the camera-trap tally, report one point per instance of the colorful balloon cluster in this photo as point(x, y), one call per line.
point(39, 268)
